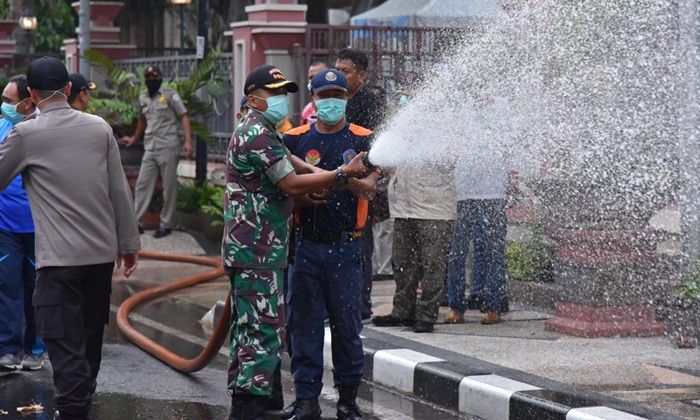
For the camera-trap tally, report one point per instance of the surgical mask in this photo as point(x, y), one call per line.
point(51, 96)
point(10, 112)
point(277, 107)
point(331, 110)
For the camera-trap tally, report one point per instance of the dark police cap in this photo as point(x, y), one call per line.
point(79, 82)
point(268, 77)
point(329, 79)
point(153, 70)
point(47, 73)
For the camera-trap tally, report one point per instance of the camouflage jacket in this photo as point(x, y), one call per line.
point(257, 214)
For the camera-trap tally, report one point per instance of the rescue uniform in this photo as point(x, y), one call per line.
point(162, 149)
point(84, 217)
point(256, 236)
point(327, 275)
point(17, 268)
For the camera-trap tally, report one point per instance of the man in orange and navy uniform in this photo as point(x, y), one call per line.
point(327, 275)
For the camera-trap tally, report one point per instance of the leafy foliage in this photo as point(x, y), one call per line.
point(118, 102)
point(206, 198)
point(690, 283)
point(529, 261)
point(4, 9)
point(56, 22)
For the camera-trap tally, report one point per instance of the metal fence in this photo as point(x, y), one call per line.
point(395, 53)
point(181, 67)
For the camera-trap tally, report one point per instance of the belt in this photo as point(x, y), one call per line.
point(330, 237)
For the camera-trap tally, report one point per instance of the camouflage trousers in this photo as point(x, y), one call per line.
point(257, 329)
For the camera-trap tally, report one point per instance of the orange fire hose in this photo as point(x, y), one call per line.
point(156, 350)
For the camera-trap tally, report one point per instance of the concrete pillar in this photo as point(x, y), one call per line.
point(267, 37)
point(104, 35)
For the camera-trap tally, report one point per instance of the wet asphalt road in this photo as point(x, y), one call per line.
point(133, 385)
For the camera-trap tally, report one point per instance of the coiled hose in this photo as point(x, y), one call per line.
point(161, 353)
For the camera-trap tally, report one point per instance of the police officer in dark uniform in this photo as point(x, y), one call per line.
point(328, 272)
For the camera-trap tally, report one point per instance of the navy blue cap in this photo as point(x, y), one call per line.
point(244, 101)
point(329, 79)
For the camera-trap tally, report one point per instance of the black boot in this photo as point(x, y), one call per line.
point(248, 407)
point(275, 406)
point(347, 408)
point(307, 409)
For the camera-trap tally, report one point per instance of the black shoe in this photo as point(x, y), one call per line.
point(248, 407)
point(391, 321)
point(162, 232)
point(307, 409)
point(475, 303)
point(347, 408)
point(141, 230)
point(422, 327)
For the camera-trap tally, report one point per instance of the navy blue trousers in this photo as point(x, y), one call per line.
point(17, 281)
point(325, 278)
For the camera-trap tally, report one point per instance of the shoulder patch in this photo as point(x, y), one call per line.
point(358, 130)
point(297, 131)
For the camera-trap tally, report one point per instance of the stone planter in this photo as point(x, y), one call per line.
point(604, 257)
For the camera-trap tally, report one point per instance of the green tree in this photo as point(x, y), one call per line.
point(56, 21)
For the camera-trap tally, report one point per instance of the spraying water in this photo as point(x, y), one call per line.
point(586, 93)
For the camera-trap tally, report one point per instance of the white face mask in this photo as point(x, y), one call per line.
point(51, 96)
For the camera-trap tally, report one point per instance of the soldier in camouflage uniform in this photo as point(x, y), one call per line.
point(261, 176)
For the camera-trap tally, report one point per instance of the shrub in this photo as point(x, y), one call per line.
point(529, 261)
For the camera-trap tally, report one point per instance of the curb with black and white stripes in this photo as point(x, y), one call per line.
point(473, 391)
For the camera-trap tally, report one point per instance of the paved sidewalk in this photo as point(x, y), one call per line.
point(645, 376)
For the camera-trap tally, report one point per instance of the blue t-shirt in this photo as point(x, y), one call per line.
point(329, 151)
point(15, 213)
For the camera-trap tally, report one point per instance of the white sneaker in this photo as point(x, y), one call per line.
point(32, 362)
point(10, 362)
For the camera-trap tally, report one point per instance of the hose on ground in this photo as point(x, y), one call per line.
point(161, 353)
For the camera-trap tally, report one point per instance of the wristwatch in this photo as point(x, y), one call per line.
point(340, 176)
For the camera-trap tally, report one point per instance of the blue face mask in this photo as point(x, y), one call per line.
point(10, 112)
point(331, 110)
point(277, 107)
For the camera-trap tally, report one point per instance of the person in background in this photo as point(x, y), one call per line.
point(242, 110)
point(422, 204)
point(365, 110)
point(161, 110)
point(17, 262)
point(79, 97)
point(78, 240)
point(308, 114)
point(481, 178)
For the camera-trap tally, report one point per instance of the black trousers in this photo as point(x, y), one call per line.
point(72, 308)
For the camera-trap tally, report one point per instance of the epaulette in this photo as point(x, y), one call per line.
point(358, 130)
point(298, 131)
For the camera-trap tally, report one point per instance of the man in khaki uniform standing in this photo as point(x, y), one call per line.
point(160, 111)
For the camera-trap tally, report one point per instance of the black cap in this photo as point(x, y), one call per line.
point(268, 77)
point(79, 83)
point(153, 70)
point(47, 73)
